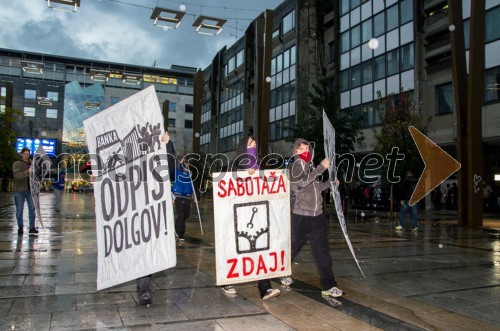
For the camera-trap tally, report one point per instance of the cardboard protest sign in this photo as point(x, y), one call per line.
point(134, 215)
point(252, 226)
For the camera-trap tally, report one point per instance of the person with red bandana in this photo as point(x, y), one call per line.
point(308, 221)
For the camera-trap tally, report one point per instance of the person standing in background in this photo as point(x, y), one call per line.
point(183, 193)
point(58, 186)
point(22, 170)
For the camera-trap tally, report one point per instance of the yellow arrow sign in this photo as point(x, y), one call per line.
point(439, 165)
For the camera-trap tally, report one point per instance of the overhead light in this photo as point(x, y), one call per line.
point(115, 74)
point(61, 3)
point(43, 101)
point(208, 25)
point(92, 105)
point(99, 75)
point(33, 67)
point(166, 18)
point(131, 79)
point(497, 178)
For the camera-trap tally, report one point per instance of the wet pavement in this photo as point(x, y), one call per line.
point(442, 277)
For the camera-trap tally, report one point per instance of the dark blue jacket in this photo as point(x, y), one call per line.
point(182, 185)
point(59, 182)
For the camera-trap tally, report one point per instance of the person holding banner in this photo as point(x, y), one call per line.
point(246, 158)
point(22, 170)
point(144, 284)
point(307, 220)
point(183, 193)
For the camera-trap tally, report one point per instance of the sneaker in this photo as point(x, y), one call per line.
point(399, 227)
point(146, 299)
point(286, 281)
point(228, 289)
point(33, 231)
point(415, 228)
point(333, 292)
point(271, 293)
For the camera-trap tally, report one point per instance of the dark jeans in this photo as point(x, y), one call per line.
point(19, 198)
point(314, 229)
point(144, 285)
point(183, 209)
point(264, 285)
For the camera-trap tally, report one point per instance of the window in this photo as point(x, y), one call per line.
point(406, 57)
point(367, 72)
point(29, 111)
point(345, 42)
point(379, 67)
point(288, 22)
point(392, 18)
point(30, 94)
point(188, 108)
point(276, 33)
point(172, 106)
point(54, 96)
point(444, 99)
point(355, 36)
point(356, 76)
point(406, 10)
point(366, 30)
point(344, 80)
point(171, 122)
point(492, 84)
point(378, 25)
point(51, 113)
point(2, 109)
point(3, 91)
point(239, 58)
point(392, 62)
point(188, 124)
point(344, 6)
point(331, 52)
point(492, 30)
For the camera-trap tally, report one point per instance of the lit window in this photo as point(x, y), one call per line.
point(54, 96)
point(30, 94)
point(3, 91)
point(51, 113)
point(29, 111)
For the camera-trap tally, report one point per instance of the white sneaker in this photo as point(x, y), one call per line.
point(271, 293)
point(286, 281)
point(333, 292)
point(228, 289)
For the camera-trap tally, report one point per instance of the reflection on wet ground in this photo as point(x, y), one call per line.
point(441, 277)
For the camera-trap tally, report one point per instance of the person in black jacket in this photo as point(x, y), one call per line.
point(406, 191)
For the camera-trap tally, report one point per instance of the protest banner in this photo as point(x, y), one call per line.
point(252, 226)
point(133, 204)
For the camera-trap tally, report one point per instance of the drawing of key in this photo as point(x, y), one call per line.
point(254, 211)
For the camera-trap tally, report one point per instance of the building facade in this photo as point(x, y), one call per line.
point(260, 84)
point(56, 94)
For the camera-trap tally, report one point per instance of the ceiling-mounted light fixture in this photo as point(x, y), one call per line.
point(131, 79)
point(33, 67)
point(99, 75)
point(209, 25)
point(166, 18)
point(64, 5)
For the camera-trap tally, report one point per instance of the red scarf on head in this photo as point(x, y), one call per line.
point(306, 156)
